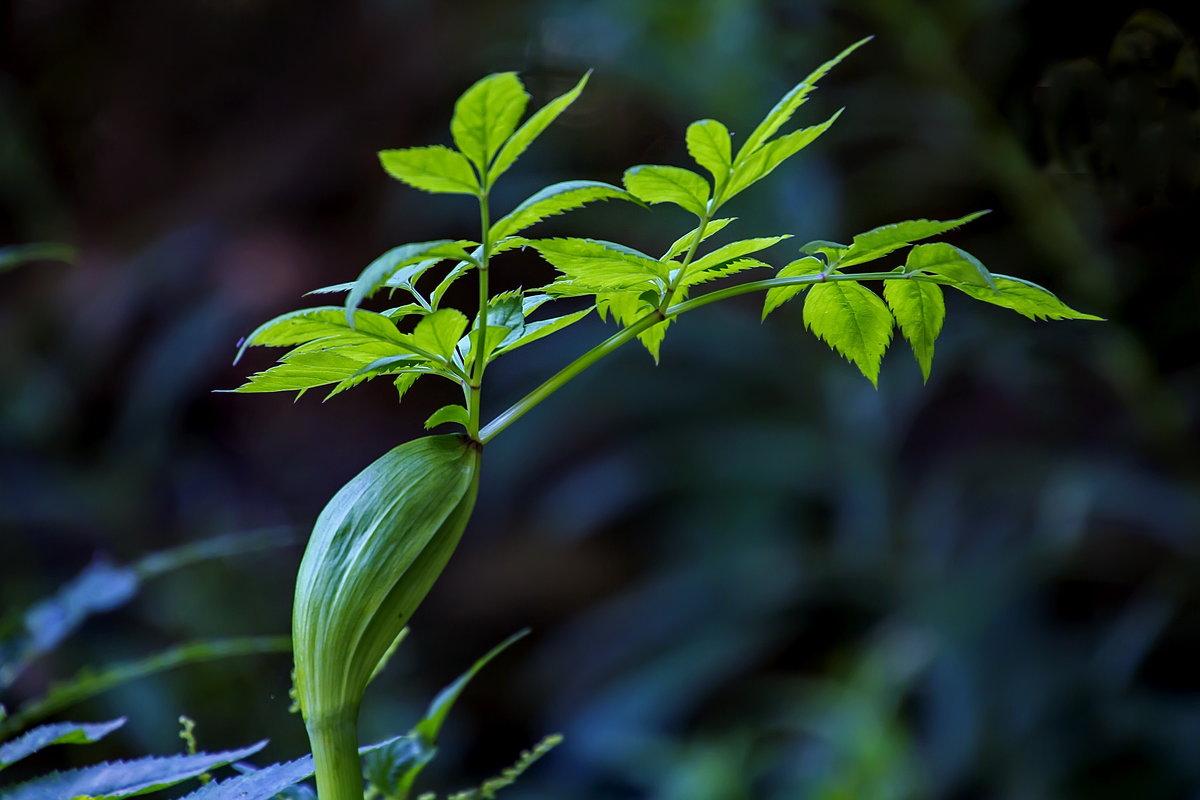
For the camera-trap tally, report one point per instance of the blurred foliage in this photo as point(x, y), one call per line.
point(783, 584)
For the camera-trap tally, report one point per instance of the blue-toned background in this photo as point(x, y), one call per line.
point(749, 574)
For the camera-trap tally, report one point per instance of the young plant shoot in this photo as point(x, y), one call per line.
point(384, 538)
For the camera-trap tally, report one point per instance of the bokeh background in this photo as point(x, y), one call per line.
point(748, 574)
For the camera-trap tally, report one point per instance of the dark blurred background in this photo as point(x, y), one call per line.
point(749, 574)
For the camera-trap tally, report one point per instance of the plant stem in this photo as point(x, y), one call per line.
point(560, 378)
point(475, 385)
point(334, 741)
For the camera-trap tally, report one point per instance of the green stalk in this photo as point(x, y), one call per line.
point(560, 378)
point(334, 741)
point(475, 385)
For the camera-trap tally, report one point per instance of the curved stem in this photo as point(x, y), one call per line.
point(560, 378)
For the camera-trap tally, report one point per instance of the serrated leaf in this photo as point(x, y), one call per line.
point(919, 310)
point(326, 323)
point(949, 261)
point(269, 782)
point(58, 733)
point(734, 250)
point(554, 199)
point(709, 145)
point(438, 333)
point(390, 769)
point(590, 266)
point(463, 267)
point(540, 329)
point(451, 413)
point(853, 321)
point(778, 116)
point(1024, 297)
point(389, 365)
point(404, 381)
point(781, 294)
point(533, 127)
point(684, 242)
point(435, 168)
point(762, 162)
point(724, 271)
point(125, 778)
point(402, 260)
point(880, 241)
point(300, 369)
point(486, 115)
point(658, 184)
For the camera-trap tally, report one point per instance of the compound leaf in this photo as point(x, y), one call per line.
point(853, 321)
point(533, 127)
point(1024, 297)
point(439, 332)
point(920, 310)
point(659, 184)
point(787, 105)
point(486, 115)
point(949, 261)
point(435, 168)
point(709, 145)
point(763, 161)
point(734, 250)
point(880, 241)
point(591, 266)
point(553, 200)
point(781, 294)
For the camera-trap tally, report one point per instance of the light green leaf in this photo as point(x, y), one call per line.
point(589, 266)
point(398, 261)
point(390, 365)
point(659, 184)
point(552, 200)
point(1024, 297)
point(486, 115)
point(463, 267)
point(305, 369)
point(326, 323)
point(711, 274)
point(920, 310)
point(684, 242)
point(708, 144)
point(853, 321)
point(781, 294)
point(734, 250)
point(787, 105)
point(451, 413)
point(435, 169)
point(880, 241)
point(532, 128)
point(763, 161)
point(539, 329)
point(439, 332)
point(949, 261)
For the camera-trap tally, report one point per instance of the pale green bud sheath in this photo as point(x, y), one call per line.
point(375, 551)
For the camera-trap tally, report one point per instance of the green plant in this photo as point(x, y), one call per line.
point(385, 537)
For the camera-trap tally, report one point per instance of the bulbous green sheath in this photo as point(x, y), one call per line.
point(375, 551)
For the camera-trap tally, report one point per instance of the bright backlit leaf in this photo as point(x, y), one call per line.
point(658, 184)
point(949, 261)
point(781, 294)
point(532, 128)
point(434, 169)
point(852, 320)
point(709, 145)
point(1024, 297)
point(553, 200)
point(920, 311)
